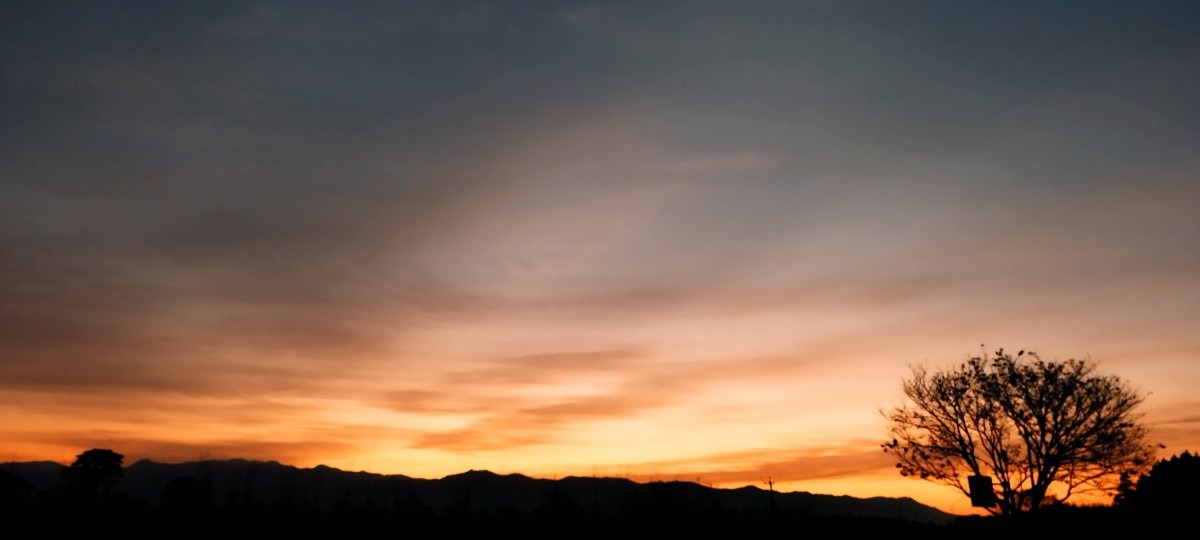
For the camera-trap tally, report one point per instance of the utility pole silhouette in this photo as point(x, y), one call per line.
point(771, 495)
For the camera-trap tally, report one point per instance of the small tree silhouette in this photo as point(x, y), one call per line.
point(93, 472)
point(1169, 487)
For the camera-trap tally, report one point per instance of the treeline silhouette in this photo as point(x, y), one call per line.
point(86, 498)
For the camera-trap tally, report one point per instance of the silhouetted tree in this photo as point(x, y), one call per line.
point(1018, 425)
point(93, 471)
point(1171, 486)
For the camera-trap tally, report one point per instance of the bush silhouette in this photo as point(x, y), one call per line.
point(1169, 487)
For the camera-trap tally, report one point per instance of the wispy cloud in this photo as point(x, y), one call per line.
point(754, 467)
point(726, 163)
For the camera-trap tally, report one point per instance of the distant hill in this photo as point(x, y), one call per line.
point(242, 482)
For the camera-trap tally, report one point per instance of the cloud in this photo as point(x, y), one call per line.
point(1175, 425)
point(585, 16)
point(1181, 420)
point(518, 426)
point(755, 466)
point(728, 163)
point(523, 408)
point(546, 368)
point(531, 399)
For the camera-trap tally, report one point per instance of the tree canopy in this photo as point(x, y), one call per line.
point(1007, 430)
point(1170, 486)
point(93, 471)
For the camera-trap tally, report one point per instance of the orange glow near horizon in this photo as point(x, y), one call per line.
point(549, 416)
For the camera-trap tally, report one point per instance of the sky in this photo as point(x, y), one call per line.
point(698, 240)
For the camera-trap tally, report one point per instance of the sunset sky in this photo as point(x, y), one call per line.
point(658, 240)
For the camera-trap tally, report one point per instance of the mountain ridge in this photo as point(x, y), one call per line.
point(323, 488)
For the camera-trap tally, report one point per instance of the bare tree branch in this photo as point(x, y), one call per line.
point(1030, 425)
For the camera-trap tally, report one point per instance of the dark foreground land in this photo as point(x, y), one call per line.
point(241, 498)
point(130, 519)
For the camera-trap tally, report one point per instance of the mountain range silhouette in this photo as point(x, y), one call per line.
point(322, 488)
